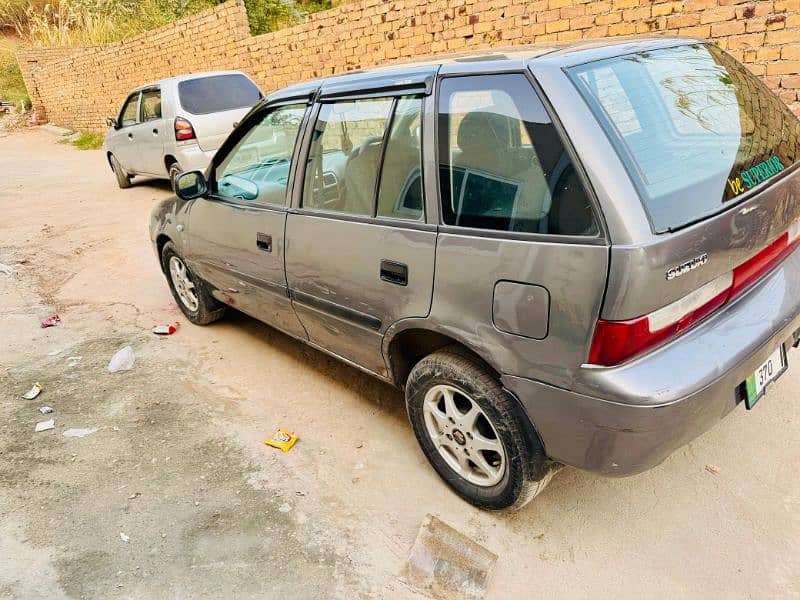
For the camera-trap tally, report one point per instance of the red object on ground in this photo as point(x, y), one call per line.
point(51, 321)
point(166, 329)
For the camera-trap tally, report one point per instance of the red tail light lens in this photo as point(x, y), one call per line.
point(183, 130)
point(617, 341)
point(752, 269)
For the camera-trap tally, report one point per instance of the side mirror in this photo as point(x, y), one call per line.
point(191, 185)
point(112, 122)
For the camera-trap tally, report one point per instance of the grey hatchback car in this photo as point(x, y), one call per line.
point(574, 255)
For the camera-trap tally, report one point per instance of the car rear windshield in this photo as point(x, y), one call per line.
point(217, 93)
point(695, 129)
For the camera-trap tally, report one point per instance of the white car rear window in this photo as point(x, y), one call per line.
point(217, 93)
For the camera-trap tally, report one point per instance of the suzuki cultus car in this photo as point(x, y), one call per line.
point(575, 255)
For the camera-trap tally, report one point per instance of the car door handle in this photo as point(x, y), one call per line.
point(264, 241)
point(394, 272)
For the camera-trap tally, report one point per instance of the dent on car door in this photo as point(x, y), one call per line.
point(359, 256)
point(236, 239)
point(520, 263)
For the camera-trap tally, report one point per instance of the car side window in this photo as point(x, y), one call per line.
point(151, 105)
point(344, 158)
point(257, 168)
point(502, 164)
point(129, 112)
point(400, 193)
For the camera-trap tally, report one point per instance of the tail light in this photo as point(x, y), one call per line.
point(183, 130)
point(617, 341)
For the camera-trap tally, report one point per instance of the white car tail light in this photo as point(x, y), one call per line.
point(680, 309)
point(183, 130)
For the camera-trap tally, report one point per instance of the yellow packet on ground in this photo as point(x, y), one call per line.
point(283, 440)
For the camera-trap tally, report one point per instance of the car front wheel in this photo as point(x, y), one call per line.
point(189, 291)
point(471, 432)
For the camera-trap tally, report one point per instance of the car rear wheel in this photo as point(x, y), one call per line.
point(174, 171)
point(472, 434)
point(189, 291)
point(123, 179)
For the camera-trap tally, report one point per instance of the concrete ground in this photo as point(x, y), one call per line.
point(178, 463)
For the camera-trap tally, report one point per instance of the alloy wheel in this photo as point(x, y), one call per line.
point(183, 284)
point(463, 435)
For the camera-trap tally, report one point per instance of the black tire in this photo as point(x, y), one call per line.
point(527, 469)
point(208, 308)
point(174, 171)
point(123, 179)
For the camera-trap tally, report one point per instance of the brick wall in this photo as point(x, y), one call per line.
point(78, 88)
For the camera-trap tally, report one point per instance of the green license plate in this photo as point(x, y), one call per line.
point(769, 371)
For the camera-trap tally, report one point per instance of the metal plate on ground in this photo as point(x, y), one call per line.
point(445, 564)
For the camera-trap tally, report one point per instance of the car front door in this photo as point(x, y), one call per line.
point(123, 146)
point(151, 132)
point(236, 235)
point(359, 254)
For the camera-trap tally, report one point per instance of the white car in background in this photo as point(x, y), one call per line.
point(176, 124)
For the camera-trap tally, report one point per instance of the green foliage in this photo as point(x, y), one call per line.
point(47, 23)
point(86, 22)
point(88, 140)
point(271, 15)
point(12, 87)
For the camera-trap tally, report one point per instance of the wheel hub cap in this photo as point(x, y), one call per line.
point(464, 436)
point(184, 286)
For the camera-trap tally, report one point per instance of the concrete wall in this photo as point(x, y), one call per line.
point(78, 88)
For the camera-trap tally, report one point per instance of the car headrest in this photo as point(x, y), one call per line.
point(484, 131)
point(154, 112)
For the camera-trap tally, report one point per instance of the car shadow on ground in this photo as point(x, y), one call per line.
point(369, 389)
point(162, 185)
point(376, 395)
point(568, 489)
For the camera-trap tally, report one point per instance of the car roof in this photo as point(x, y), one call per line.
point(423, 71)
point(184, 77)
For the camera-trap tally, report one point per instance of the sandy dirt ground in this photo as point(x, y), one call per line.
point(178, 464)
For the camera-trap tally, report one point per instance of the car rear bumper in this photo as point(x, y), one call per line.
point(193, 158)
point(638, 413)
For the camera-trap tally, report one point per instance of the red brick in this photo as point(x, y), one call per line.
point(784, 67)
point(725, 13)
point(725, 29)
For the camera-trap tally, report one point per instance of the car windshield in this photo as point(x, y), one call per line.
point(695, 129)
point(217, 93)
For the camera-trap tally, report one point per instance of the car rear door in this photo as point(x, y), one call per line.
point(359, 254)
point(123, 144)
point(522, 255)
point(152, 132)
point(236, 235)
